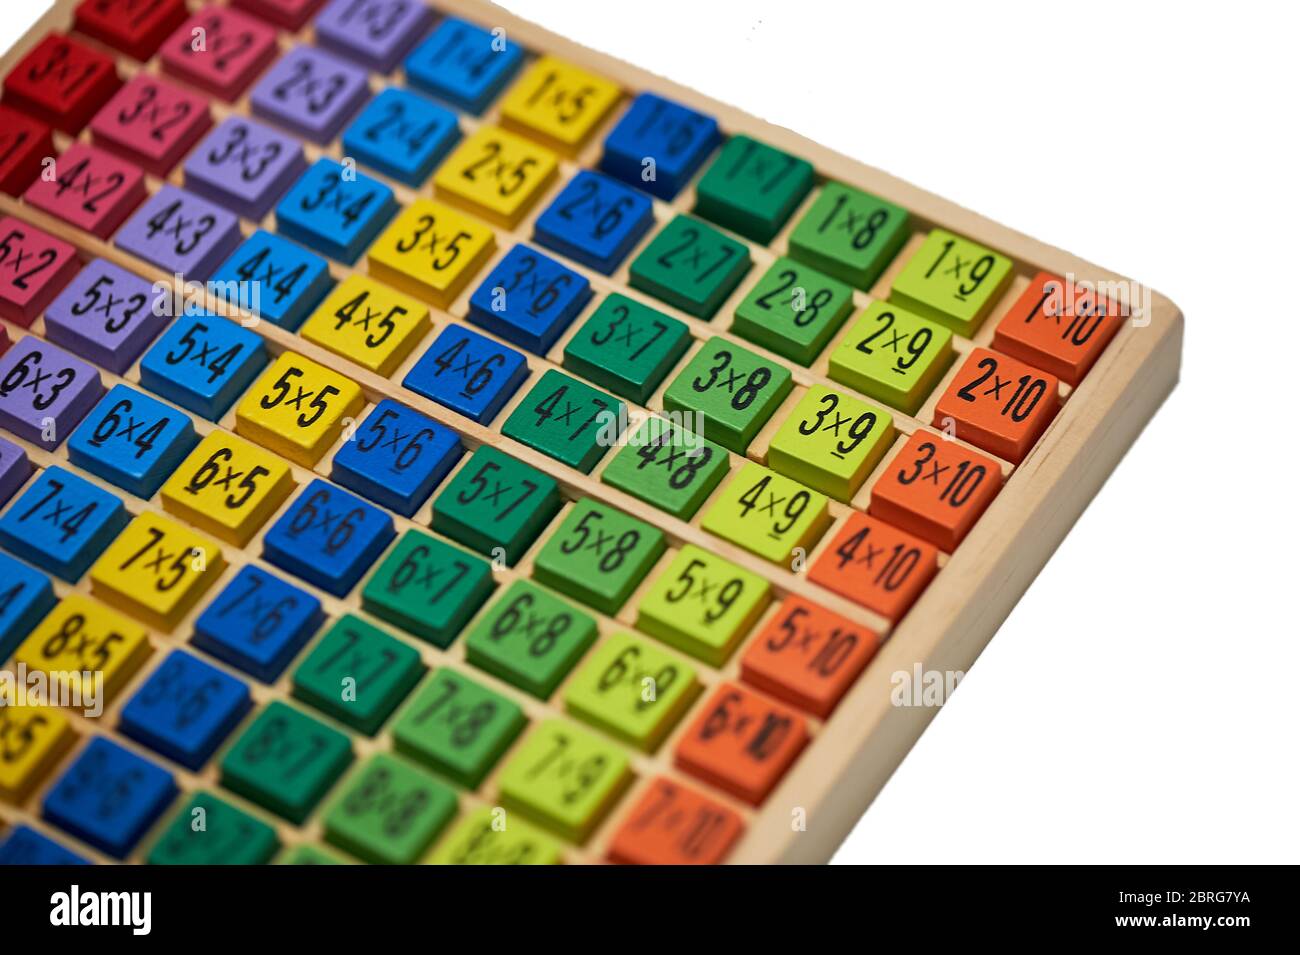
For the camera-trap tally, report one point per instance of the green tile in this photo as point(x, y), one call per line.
point(491, 836)
point(598, 555)
point(457, 727)
point(690, 265)
point(793, 310)
point(892, 356)
point(428, 587)
point(308, 855)
point(285, 760)
point(530, 638)
point(627, 347)
point(849, 234)
point(357, 674)
point(496, 505)
point(729, 391)
point(752, 188)
point(952, 281)
point(388, 812)
point(568, 420)
point(668, 467)
point(210, 831)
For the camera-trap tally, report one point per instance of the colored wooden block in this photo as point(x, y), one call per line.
point(25, 598)
point(132, 440)
point(530, 638)
point(1059, 326)
point(109, 797)
point(23, 845)
point(136, 27)
point(849, 234)
point(703, 605)
point(565, 778)
point(219, 50)
point(808, 656)
point(286, 14)
point(228, 836)
point(328, 537)
point(374, 33)
point(876, 565)
point(431, 251)
point(793, 310)
point(952, 281)
point(496, 175)
point(32, 740)
point(667, 466)
point(156, 570)
point(388, 812)
point(151, 123)
point(467, 372)
point(674, 825)
point(935, 489)
point(105, 315)
point(496, 505)
point(632, 689)
point(627, 347)
point(180, 233)
point(999, 404)
point(658, 145)
point(227, 487)
point(272, 278)
point(831, 442)
point(202, 363)
point(258, 623)
point(24, 143)
point(428, 588)
point(15, 469)
point(893, 356)
point(595, 220)
point(568, 420)
point(185, 709)
point(335, 210)
point(463, 63)
point(311, 93)
point(245, 166)
point(558, 104)
point(80, 641)
point(62, 523)
point(62, 82)
point(396, 457)
point(752, 188)
point(598, 555)
point(357, 674)
point(34, 268)
point(727, 392)
point(742, 743)
point(691, 266)
point(91, 189)
point(457, 727)
point(306, 854)
point(402, 134)
point(298, 408)
point(45, 392)
point(529, 299)
point(285, 761)
point(768, 514)
point(484, 837)
point(368, 323)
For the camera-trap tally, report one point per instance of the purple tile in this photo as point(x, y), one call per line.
point(45, 392)
point(15, 468)
point(245, 166)
point(105, 315)
point(311, 92)
point(181, 233)
point(375, 33)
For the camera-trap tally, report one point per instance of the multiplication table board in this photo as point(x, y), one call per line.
point(428, 440)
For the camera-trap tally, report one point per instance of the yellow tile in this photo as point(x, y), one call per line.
point(369, 323)
point(431, 251)
point(298, 408)
point(81, 636)
point(496, 175)
point(558, 104)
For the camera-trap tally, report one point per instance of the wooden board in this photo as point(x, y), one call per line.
point(855, 751)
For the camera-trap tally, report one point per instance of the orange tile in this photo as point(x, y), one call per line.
point(674, 825)
point(1058, 327)
point(877, 565)
point(999, 404)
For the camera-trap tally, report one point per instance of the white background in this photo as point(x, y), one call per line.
point(1138, 705)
